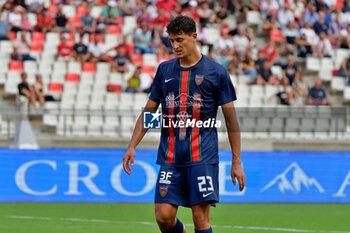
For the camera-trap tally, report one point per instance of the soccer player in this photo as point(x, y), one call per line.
point(190, 86)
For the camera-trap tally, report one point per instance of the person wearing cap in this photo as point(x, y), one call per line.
point(110, 12)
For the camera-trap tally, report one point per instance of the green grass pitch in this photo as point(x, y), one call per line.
point(139, 218)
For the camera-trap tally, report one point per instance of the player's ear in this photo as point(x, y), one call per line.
point(194, 35)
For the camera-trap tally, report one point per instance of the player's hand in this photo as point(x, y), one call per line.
point(128, 160)
point(238, 173)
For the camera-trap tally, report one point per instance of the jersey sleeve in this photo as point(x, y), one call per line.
point(156, 89)
point(227, 92)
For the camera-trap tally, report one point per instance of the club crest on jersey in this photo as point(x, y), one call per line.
point(163, 190)
point(199, 79)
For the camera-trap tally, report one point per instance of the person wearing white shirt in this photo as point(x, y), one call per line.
point(323, 47)
point(15, 19)
point(310, 34)
point(96, 51)
point(226, 42)
point(241, 42)
point(285, 15)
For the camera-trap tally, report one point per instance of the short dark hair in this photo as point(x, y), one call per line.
point(181, 24)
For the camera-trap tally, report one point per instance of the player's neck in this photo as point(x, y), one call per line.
point(190, 60)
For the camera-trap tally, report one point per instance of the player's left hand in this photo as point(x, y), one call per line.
point(238, 173)
point(128, 159)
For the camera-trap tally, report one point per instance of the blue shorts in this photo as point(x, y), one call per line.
point(187, 186)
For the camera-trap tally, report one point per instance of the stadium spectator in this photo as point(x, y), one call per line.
point(317, 95)
point(4, 30)
point(344, 70)
point(269, 7)
point(297, 7)
point(162, 17)
point(234, 63)
point(110, 13)
point(145, 82)
point(45, 23)
point(64, 50)
point(241, 42)
point(134, 81)
point(40, 95)
point(15, 19)
point(222, 16)
point(80, 50)
point(24, 89)
point(271, 23)
point(143, 37)
point(310, 34)
point(96, 51)
point(249, 67)
point(321, 25)
point(225, 43)
point(127, 7)
point(323, 47)
point(271, 52)
point(22, 49)
point(205, 14)
point(304, 48)
point(34, 6)
point(289, 71)
point(290, 98)
point(260, 60)
point(310, 14)
point(202, 34)
point(290, 36)
point(88, 22)
point(265, 76)
point(121, 60)
point(285, 15)
point(25, 23)
point(61, 20)
point(142, 14)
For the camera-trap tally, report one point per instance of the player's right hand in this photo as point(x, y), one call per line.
point(128, 160)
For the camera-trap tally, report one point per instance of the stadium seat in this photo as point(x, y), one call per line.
point(79, 130)
point(71, 77)
point(149, 60)
point(96, 120)
point(103, 67)
point(112, 101)
point(213, 35)
point(346, 94)
point(148, 70)
point(109, 131)
point(114, 88)
point(38, 37)
point(327, 63)
point(6, 47)
point(254, 18)
point(89, 67)
point(36, 47)
point(137, 59)
point(96, 11)
point(312, 63)
point(59, 67)
point(52, 38)
point(30, 67)
point(74, 67)
point(45, 67)
point(16, 66)
point(50, 120)
point(56, 87)
point(94, 131)
point(87, 78)
point(2, 78)
point(114, 29)
point(129, 25)
point(338, 84)
point(69, 11)
point(325, 75)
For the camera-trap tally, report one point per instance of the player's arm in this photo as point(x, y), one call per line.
point(136, 137)
point(234, 137)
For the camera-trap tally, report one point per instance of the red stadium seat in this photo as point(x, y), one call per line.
point(70, 77)
point(148, 70)
point(13, 35)
point(114, 29)
point(101, 2)
point(38, 37)
point(121, 20)
point(75, 21)
point(276, 35)
point(335, 72)
point(53, 9)
point(101, 39)
point(114, 88)
point(81, 10)
point(37, 46)
point(56, 87)
point(89, 67)
point(16, 66)
point(161, 58)
point(137, 59)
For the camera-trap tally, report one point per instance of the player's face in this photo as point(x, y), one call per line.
point(183, 44)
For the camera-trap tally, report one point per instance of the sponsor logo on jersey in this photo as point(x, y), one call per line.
point(163, 190)
point(199, 79)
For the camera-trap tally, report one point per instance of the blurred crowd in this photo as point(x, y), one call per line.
point(297, 28)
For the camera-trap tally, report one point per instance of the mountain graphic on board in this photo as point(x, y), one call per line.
point(298, 179)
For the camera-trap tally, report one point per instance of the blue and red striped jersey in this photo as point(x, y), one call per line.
point(190, 96)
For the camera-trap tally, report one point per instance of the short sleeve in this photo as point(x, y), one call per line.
point(156, 89)
point(227, 92)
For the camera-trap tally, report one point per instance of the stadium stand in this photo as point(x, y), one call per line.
point(92, 98)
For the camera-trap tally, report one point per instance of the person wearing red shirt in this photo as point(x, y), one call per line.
point(44, 22)
point(64, 50)
point(162, 17)
point(271, 52)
